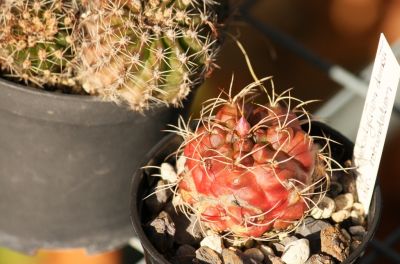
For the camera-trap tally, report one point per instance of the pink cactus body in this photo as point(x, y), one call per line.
point(245, 169)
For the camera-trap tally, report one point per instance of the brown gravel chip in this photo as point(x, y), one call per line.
point(320, 259)
point(231, 257)
point(206, 255)
point(334, 243)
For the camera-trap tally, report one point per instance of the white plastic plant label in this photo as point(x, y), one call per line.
point(375, 120)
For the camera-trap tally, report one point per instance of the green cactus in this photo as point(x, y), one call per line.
point(147, 52)
point(37, 42)
point(140, 52)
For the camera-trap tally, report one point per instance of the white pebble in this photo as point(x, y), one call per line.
point(214, 242)
point(324, 209)
point(358, 208)
point(344, 201)
point(356, 218)
point(340, 216)
point(168, 172)
point(180, 164)
point(296, 252)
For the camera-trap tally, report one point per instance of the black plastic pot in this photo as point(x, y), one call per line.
point(141, 184)
point(66, 163)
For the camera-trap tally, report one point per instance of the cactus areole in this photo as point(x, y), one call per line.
point(249, 168)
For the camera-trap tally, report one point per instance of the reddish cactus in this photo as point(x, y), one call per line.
point(249, 168)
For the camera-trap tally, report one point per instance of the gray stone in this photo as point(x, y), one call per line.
point(296, 252)
point(255, 254)
point(320, 259)
point(206, 255)
point(184, 255)
point(266, 250)
point(354, 245)
point(280, 246)
point(357, 230)
point(334, 243)
point(348, 181)
point(311, 226)
point(345, 234)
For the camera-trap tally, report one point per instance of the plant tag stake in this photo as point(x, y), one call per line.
point(375, 120)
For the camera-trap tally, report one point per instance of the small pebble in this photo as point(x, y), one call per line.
point(296, 252)
point(255, 254)
point(354, 245)
point(324, 208)
point(335, 189)
point(334, 243)
point(161, 230)
point(320, 259)
point(185, 250)
point(240, 242)
point(344, 201)
point(348, 182)
point(358, 208)
point(280, 246)
point(168, 173)
point(214, 242)
point(164, 224)
point(311, 226)
point(266, 250)
point(340, 216)
point(356, 218)
point(207, 255)
point(357, 230)
point(357, 214)
point(345, 234)
point(270, 259)
point(184, 255)
point(231, 257)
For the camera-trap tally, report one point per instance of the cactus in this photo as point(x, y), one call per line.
point(37, 42)
point(147, 52)
point(140, 52)
point(250, 169)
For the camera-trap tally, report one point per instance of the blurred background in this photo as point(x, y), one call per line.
point(334, 32)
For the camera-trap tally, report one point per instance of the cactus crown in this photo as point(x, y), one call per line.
point(147, 52)
point(37, 43)
point(250, 170)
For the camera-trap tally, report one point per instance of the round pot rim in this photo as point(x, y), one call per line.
point(27, 101)
point(159, 258)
